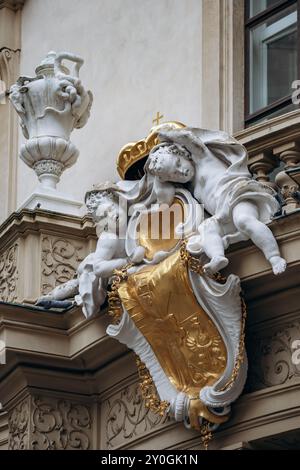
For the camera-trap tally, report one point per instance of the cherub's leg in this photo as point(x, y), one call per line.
point(212, 244)
point(105, 268)
point(246, 220)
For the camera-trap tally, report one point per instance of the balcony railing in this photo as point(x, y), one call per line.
point(274, 156)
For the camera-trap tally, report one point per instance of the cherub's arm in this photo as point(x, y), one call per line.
point(183, 137)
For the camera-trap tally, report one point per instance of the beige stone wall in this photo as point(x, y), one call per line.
point(141, 56)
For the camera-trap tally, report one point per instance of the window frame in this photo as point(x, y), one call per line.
point(250, 22)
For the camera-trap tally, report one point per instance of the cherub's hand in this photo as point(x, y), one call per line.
point(183, 137)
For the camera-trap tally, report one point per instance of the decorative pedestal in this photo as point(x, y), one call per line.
point(39, 249)
point(48, 199)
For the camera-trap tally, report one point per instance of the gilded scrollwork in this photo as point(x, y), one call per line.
point(271, 357)
point(18, 426)
point(9, 274)
point(127, 418)
point(60, 424)
point(60, 260)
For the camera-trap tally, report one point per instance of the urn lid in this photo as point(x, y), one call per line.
point(47, 65)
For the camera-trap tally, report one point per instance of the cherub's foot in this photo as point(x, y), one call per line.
point(216, 264)
point(44, 298)
point(278, 264)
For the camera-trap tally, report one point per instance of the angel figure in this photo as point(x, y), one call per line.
point(110, 217)
point(240, 206)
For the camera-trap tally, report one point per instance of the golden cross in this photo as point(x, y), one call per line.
point(157, 118)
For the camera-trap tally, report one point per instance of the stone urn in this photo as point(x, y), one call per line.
point(50, 106)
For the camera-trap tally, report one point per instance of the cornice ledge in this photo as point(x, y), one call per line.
point(26, 220)
point(12, 4)
point(271, 133)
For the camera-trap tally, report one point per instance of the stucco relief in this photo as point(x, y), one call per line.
point(271, 357)
point(18, 426)
point(126, 418)
point(9, 274)
point(60, 259)
point(60, 424)
point(47, 423)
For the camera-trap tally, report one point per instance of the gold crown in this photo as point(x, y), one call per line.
point(134, 153)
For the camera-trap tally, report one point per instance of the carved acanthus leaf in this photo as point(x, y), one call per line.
point(9, 274)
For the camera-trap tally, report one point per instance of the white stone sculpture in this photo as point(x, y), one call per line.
point(88, 289)
point(50, 106)
point(240, 206)
point(182, 319)
point(221, 301)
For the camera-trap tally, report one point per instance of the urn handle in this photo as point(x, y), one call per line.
point(78, 62)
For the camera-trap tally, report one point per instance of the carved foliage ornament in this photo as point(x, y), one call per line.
point(272, 357)
point(60, 424)
point(48, 423)
point(18, 425)
point(9, 274)
point(127, 418)
point(60, 259)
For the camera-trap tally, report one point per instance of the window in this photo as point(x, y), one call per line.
point(272, 58)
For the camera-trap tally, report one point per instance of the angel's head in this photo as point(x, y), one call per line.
point(170, 162)
point(105, 203)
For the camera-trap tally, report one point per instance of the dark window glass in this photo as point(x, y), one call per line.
point(257, 6)
point(272, 60)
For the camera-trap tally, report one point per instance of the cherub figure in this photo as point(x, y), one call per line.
point(240, 206)
point(104, 203)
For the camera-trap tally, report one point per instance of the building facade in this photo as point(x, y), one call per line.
point(216, 64)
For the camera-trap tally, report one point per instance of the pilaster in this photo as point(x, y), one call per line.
point(10, 47)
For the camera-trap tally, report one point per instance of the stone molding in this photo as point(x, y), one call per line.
point(270, 134)
point(223, 65)
point(12, 4)
point(48, 248)
point(10, 41)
